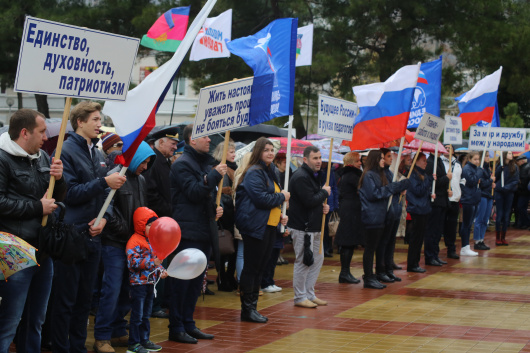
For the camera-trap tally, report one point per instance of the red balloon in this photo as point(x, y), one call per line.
point(164, 236)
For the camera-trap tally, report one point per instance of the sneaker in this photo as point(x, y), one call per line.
point(151, 347)
point(479, 246)
point(485, 246)
point(278, 289)
point(103, 346)
point(137, 348)
point(466, 251)
point(270, 289)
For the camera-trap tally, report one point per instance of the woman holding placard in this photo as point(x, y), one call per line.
point(419, 208)
point(504, 190)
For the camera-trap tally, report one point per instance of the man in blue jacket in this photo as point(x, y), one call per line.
point(306, 207)
point(193, 183)
point(85, 173)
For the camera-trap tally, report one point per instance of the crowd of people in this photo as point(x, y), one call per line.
point(374, 205)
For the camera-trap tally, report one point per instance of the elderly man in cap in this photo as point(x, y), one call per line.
point(158, 192)
point(523, 194)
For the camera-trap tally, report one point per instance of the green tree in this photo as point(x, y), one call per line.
point(512, 117)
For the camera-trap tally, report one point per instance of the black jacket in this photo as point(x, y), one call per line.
point(524, 179)
point(85, 178)
point(510, 180)
point(442, 182)
point(23, 183)
point(374, 198)
point(486, 182)
point(255, 198)
point(193, 183)
point(396, 207)
point(158, 191)
point(128, 198)
point(306, 202)
point(419, 192)
point(470, 192)
point(350, 231)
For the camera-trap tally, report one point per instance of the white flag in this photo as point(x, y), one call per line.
point(304, 46)
point(210, 42)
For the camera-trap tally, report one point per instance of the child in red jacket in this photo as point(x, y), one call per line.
point(144, 271)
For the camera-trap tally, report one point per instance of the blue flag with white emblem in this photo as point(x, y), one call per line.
point(271, 53)
point(428, 92)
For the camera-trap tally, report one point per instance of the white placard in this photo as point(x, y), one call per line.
point(336, 117)
point(66, 60)
point(500, 139)
point(223, 107)
point(430, 128)
point(453, 130)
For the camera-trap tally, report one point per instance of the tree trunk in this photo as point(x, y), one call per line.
point(42, 104)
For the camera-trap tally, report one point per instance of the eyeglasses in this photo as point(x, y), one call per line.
point(119, 144)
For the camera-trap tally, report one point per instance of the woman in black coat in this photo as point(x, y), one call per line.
point(350, 231)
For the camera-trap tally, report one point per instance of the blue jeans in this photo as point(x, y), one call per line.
point(239, 259)
point(468, 215)
point(141, 306)
point(503, 201)
point(73, 286)
point(25, 296)
point(482, 217)
point(114, 301)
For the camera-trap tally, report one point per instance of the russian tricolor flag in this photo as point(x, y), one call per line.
point(479, 103)
point(384, 108)
point(135, 117)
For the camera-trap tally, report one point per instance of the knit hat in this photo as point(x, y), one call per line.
point(109, 139)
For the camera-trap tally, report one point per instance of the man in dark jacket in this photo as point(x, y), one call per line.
point(439, 208)
point(306, 207)
point(24, 177)
point(159, 196)
point(85, 173)
point(114, 301)
point(523, 194)
point(193, 183)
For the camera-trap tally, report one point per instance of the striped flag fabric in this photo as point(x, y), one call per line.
point(384, 108)
point(135, 117)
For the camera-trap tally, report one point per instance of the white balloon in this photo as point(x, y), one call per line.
point(187, 264)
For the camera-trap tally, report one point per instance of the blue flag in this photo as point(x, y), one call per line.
point(428, 92)
point(495, 122)
point(271, 53)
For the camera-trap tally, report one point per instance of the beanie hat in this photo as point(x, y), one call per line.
point(109, 139)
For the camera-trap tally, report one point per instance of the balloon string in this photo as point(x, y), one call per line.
point(154, 282)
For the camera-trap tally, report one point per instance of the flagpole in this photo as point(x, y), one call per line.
point(413, 164)
point(325, 201)
point(494, 160)
point(175, 90)
point(108, 200)
point(287, 165)
point(450, 162)
point(434, 170)
point(62, 131)
point(308, 98)
point(484, 151)
point(396, 168)
point(223, 161)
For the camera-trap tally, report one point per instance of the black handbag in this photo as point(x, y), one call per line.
point(308, 253)
point(62, 241)
point(226, 241)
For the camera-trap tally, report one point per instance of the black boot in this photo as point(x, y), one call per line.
point(370, 281)
point(393, 276)
point(383, 277)
point(249, 302)
point(345, 275)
